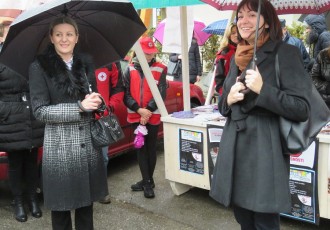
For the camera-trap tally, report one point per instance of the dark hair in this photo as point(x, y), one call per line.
point(268, 11)
point(63, 20)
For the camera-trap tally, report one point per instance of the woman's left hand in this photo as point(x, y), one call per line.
point(253, 80)
point(144, 121)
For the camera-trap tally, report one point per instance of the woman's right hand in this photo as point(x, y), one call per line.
point(235, 94)
point(145, 113)
point(92, 101)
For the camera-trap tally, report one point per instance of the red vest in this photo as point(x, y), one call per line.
point(141, 92)
point(227, 56)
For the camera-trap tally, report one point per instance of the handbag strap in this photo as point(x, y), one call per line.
point(277, 65)
point(277, 70)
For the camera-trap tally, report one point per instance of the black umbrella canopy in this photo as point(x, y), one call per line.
point(107, 31)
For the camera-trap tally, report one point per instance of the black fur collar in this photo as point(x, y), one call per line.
point(74, 81)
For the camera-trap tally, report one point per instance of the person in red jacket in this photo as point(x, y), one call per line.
point(110, 86)
point(142, 109)
point(226, 51)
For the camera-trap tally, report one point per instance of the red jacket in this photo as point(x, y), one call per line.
point(222, 62)
point(138, 94)
point(110, 85)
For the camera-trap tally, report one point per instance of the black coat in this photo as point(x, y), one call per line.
point(195, 66)
point(19, 130)
point(321, 75)
point(252, 171)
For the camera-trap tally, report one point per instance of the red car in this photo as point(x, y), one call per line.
point(173, 103)
point(3, 166)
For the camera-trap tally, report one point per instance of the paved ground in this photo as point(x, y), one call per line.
point(130, 210)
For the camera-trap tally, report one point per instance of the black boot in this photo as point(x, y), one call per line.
point(148, 190)
point(34, 206)
point(19, 212)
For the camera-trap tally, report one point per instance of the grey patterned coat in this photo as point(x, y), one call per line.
point(73, 171)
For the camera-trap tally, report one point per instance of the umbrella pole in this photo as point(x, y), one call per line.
point(254, 57)
point(256, 38)
point(210, 92)
point(185, 60)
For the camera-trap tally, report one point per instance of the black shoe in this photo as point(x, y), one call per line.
point(34, 207)
point(148, 191)
point(19, 212)
point(138, 186)
point(105, 200)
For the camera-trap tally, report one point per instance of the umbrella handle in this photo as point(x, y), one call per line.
point(242, 79)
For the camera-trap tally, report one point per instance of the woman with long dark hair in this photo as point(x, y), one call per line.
point(252, 168)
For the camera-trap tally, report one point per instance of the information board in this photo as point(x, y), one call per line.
point(191, 151)
point(303, 185)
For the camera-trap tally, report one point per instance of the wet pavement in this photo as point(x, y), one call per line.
point(130, 210)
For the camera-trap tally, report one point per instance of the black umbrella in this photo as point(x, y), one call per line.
point(107, 31)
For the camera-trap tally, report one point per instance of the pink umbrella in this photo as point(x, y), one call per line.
point(199, 34)
point(281, 6)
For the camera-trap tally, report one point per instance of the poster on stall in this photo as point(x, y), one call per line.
point(191, 151)
point(303, 185)
point(214, 134)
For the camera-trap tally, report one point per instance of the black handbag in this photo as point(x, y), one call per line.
point(173, 68)
point(106, 130)
point(297, 136)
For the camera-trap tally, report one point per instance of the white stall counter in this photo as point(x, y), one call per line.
point(182, 179)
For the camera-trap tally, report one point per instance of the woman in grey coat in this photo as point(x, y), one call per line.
point(73, 171)
point(252, 170)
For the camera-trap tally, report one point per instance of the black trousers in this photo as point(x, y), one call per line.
point(23, 169)
point(250, 220)
point(61, 220)
point(147, 155)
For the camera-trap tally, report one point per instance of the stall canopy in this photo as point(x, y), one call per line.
point(143, 4)
point(185, 72)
